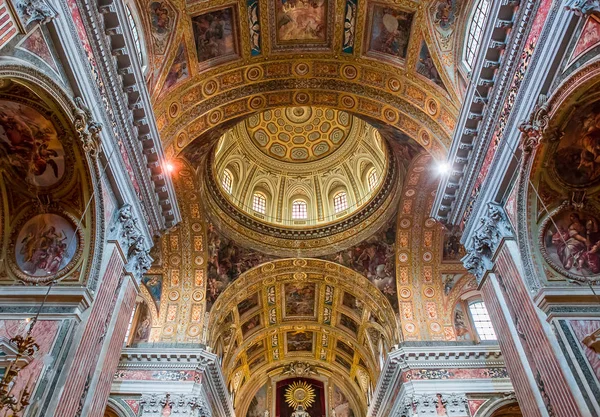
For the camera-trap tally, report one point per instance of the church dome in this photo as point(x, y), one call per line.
point(300, 167)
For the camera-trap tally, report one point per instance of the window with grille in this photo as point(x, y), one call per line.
point(299, 209)
point(340, 202)
point(475, 32)
point(227, 182)
point(481, 320)
point(135, 33)
point(259, 203)
point(372, 180)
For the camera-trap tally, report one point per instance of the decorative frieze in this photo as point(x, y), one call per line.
point(493, 227)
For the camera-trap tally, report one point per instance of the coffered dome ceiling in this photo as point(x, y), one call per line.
point(299, 134)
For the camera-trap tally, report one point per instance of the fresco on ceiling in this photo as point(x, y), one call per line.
point(461, 328)
point(343, 347)
point(256, 362)
point(179, 69)
point(300, 300)
point(426, 66)
point(144, 324)
point(572, 243)
point(215, 35)
point(349, 26)
point(45, 245)
point(404, 147)
point(252, 324)
point(577, 159)
point(446, 12)
point(374, 258)
point(258, 405)
point(248, 304)
point(353, 303)
point(349, 323)
point(226, 261)
point(29, 145)
point(339, 359)
point(390, 31)
point(340, 404)
point(162, 17)
point(37, 45)
point(254, 348)
point(154, 285)
point(254, 27)
point(301, 20)
point(450, 281)
point(453, 250)
point(299, 341)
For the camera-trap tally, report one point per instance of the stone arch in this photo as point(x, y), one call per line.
point(544, 199)
point(69, 154)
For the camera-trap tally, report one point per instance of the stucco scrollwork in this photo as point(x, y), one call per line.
point(126, 231)
point(534, 128)
point(35, 11)
point(87, 128)
point(583, 7)
point(492, 229)
point(299, 369)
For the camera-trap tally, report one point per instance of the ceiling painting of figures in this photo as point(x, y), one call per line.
point(29, 145)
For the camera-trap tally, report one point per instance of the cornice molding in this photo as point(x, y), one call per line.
point(161, 358)
point(124, 82)
point(406, 358)
point(483, 103)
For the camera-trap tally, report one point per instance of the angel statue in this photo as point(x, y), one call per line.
point(300, 412)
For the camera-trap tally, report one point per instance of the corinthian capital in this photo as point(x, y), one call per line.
point(493, 227)
point(583, 7)
point(31, 11)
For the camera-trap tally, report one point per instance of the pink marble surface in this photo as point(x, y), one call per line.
point(474, 405)
point(582, 328)
point(589, 37)
point(44, 334)
point(37, 45)
point(149, 375)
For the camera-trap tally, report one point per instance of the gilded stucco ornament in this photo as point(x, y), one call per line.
point(299, 369)
point(481, 249)
point(35, 11)
point(583, 7)
point(126, 231)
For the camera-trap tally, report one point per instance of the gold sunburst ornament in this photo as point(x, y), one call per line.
point(300, 393)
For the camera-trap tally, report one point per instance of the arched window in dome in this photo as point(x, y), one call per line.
point(299, 209)
point(481, 321)
point(227, 181)
point(136, 34)
point(259, 203)
point(372, 179)
point(340, 202)
point(475, 32)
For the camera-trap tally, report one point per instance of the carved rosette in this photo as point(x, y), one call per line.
point(126, 231)
point(493, 227)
